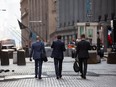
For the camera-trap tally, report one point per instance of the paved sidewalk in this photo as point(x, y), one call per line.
point(99, 75)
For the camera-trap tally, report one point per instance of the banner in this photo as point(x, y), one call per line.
point(21, 25)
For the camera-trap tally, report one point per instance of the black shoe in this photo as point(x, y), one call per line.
point(60, 76)
point(35, 76)
point(81, 76)
point(39, 78)
point(57, 77)
point(1, 70)
point(6, 70)
point(84, 77)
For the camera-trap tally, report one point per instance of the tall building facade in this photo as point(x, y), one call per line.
point(38, 18)
point(73, 15)
point(41, 19)
point(24, 19)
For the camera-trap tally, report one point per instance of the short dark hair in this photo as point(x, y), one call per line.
point(83, 36)
point(59, 37)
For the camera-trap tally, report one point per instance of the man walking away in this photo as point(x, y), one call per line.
point(57, 53)
point(82, 52)
point(36, 50)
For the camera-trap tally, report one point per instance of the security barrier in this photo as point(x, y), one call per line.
point(21, 57)
point(4, 57)
point(111, 58)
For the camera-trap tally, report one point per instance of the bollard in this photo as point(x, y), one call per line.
point(4, 57)
point(92, 57)
point(21, 57)
point(111, 58)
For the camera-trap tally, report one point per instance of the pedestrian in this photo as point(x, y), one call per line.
point(36, 51)
point(82, 48)
point(57, 53)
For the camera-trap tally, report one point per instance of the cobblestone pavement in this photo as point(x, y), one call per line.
point(99, 75)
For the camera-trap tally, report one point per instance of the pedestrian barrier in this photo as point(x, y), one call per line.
point(93, 57)
point(4, 57)
point(111, 58)
point(21, 57)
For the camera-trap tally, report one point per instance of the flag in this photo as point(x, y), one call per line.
point(109, 35)
point(32, 36)
point(21, 25)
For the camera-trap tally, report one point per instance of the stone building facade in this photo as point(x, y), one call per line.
point(24, 19)
point(48, 18)
point(40, 19)
point(72, 12)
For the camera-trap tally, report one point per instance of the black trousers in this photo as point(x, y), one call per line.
point(38, 63)
point(58, 67)
point(83, 66)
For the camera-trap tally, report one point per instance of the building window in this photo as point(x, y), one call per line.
point(112, 16)
point(90, 33)
point(77, 20)
point(64, 24)
point(105, 17)
point(81, 30)
point(69, 23)
point(99, 18)
point(60, 25)
point(73, 22)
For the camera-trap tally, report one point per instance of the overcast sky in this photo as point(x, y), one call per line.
point(8, 20)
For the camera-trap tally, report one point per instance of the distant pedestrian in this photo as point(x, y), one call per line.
point(98, 43)
point(57, 53)
point(82, 48)
point(36, 50)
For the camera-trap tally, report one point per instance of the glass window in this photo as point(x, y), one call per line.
point(90, 32)
point(81, 30)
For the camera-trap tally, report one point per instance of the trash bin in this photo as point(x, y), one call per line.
point(21, 57)
point(4, 57)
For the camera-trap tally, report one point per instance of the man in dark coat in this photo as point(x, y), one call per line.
point(36, 50)
point(82, 48)
point(57, 53)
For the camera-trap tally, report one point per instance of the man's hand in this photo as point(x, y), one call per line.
point(30, 59)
